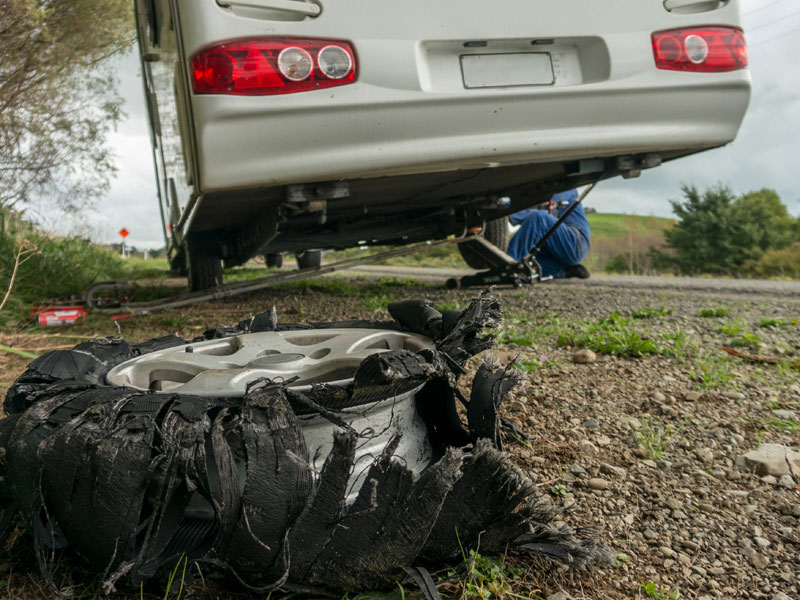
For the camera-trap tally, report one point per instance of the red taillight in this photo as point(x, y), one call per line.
point(264, 66)
point(700, 49)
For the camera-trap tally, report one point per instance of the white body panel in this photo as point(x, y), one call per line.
point(409, 111)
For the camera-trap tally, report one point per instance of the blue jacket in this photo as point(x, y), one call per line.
point(577, 219)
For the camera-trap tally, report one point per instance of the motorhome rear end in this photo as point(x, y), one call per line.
point(436, 114)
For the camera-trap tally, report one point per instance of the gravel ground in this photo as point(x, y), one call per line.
point(650, 450)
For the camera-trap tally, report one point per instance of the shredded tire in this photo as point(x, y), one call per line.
point(132, 480)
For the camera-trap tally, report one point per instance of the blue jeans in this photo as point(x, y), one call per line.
point(565, 248)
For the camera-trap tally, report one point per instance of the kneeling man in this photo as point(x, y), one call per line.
point(566, 247)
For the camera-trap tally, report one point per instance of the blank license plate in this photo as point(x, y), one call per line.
point(502, 70)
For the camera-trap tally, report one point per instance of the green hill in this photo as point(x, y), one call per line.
point(613, 226)
point(613, 236)
point(624, 241)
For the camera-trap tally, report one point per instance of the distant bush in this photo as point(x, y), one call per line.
point(720, 233)
point(784, 262)
point(621, 263)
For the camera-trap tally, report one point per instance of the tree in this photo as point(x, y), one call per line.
point(718, 233)
point(704, 239)
point(766, 222)
point(58, 97)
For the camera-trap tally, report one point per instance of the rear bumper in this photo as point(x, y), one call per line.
point(363, 131)
point(409, 112)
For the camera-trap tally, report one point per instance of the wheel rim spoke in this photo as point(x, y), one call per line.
point(225, 367)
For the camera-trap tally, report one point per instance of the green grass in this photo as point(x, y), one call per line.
point(524, 330)
point(714, 312)
point(489, 577)
point(776, 323)
point(616, 335)
point(730, 329)
point(679, 344)
point(783, 425)
point(375, 295)
point(651, 590)
point(534, 364)
point(442, 257)
point(615, 226)
point(55, 268)
point(613, 335)
point(711, 373)
point(611, 236)
point(655, 438)
point(746, 340)
point(650, 313)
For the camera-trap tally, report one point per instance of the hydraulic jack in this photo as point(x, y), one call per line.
point(504, 270)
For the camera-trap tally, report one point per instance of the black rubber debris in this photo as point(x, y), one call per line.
point(133, 480)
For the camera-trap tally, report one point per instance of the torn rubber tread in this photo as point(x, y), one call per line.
point(489, 388)
point(134, 480)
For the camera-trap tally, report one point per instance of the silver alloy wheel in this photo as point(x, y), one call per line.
point(226, 366)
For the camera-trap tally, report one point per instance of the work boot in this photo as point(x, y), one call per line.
point(578, 271)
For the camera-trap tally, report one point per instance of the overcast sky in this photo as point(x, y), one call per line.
point(765, 154)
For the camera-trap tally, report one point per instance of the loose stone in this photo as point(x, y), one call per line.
point(584, 356)
point(758, 561)
point(704, 454)
point(596, 483)
point(773, 459)
point(591, 424)
point(608, 469)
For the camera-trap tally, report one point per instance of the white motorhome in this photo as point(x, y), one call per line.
point(297, 125)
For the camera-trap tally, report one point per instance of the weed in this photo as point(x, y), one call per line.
point(729, 329)
point(526, 331)
point(173, 322)
point(712, 374)
point(746, 340)
point(681, 344)
point(612, 335)
point(488, 577)
point(715, 312)
point(620, 558)
point(787, 371)
point(651, 590)
point(335, 286)
point(35, 268)
point(451, 304)
point(784, 425)
point(559, 489)
point(519, 340)
point(385, 282)
point(373, 302)
point(759, 436)
point(182, 559)
point(775, 323)
point(649, 313)
point(655, 438)
point(532, 364)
